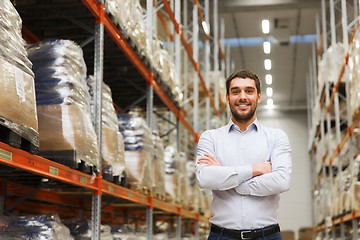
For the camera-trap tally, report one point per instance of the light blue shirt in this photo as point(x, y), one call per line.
point(241, 201)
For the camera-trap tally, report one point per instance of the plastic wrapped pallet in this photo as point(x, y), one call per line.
point(81, 229)
point(34, 227)
point(172, 174)
point(183, 174)
point(113, 162)
point(18, 111)
point(158, 166)
point(354, 74)
point(124, 232)
point(138, 152)
point(62, 99)
point(327, 67)
point(193, 188)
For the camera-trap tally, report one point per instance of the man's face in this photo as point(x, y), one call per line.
point(243, 99)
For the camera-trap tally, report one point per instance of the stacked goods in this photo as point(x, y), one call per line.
point(183, 174)
point(193, 188)
point(332, 61)
point(165, 66)
point(138, 152)
point(35, 227)
point(172, 174)
point(128, 15)
point(354, 74)
point(66, 131)
point(112, 153)
point(82, 229)
point(18, 107)
point(158, 166)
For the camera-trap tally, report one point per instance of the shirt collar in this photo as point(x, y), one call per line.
point(255, 124)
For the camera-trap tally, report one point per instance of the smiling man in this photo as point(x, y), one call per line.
point(246, 165)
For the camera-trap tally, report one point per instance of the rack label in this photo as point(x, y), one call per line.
point(6, 155)
point(110, 188)
point(83, 180)
point(53, 170)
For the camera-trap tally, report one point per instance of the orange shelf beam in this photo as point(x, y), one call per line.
point(18, 158)
point(117, 37)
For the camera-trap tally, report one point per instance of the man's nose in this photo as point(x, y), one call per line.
point(242, 94)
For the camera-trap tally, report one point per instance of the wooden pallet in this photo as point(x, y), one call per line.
point(13, 139)
point(68, 158)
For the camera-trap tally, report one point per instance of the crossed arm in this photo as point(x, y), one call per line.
point(259, 179)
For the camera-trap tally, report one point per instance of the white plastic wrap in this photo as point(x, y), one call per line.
point(172, 174)
point(327, 72)
point(18, 111)
point(158, 166)
point(113, 162)
point(12, 44)
point(63, 99)
point(138, 151)
point(39, 227)
point(354, 74)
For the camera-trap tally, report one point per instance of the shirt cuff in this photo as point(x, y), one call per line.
point(245, 172)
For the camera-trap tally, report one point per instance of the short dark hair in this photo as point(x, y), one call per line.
point(244, 73)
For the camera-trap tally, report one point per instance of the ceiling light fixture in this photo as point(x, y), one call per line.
point(267, 64)
point(269, 91)
point(270, 102)
point(268, 79)
point(265, 24)
point(267, 47)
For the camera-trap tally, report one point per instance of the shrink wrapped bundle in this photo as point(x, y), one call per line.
point(82, 230)
point(334, 54)
point(354, 74)
point(34, 227)
point(128, 14)
point(62, 99)
point(193, 188)
point(172, 174)
point(138, 151)
point(166, 68)
point(12, 44)
point(158, 166)
point(113, 162)
point(183, 174)
point(18, 111)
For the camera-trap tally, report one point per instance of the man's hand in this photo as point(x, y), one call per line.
point(261, 168)
point(208, 160)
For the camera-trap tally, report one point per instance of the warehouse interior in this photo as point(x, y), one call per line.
point(104, 102)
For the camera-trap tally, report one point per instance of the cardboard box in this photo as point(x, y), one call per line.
point(68, 127)
point(17, 101)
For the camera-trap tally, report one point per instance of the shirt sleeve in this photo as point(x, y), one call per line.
point(218, 177)
point(279, 179)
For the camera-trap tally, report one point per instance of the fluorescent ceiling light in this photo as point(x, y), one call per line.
point(270, 102)
point(267, 47)
point(269, 91)
point(268, 79)
point(265, 24)
point(267, 64)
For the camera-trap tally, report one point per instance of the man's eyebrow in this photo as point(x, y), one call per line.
point(248, 87)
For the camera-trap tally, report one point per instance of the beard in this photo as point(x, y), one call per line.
point(242, 118)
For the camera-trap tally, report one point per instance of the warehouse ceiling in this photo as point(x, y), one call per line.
point(289, 54)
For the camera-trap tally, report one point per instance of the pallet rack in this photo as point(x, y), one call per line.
point(83, 186)
point(333, 226)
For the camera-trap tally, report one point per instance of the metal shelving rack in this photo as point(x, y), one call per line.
point(333, 226)
point(96, 187)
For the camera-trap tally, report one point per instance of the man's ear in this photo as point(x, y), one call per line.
point(227, 98)
point(259, 97)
